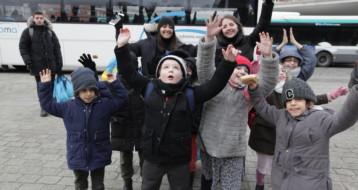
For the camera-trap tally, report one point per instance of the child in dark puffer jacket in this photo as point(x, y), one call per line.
point(86, 120)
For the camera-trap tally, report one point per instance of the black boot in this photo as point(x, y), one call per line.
point(205, 184)
point(128, 185)
point(192, 175)
point(43, 113)
point(259, 187)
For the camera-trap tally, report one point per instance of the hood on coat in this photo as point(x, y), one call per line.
point(150, 29)
point(48, 23)
point(290, 52)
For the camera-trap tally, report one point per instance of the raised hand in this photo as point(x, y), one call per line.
point(213, 27)
point(86, 61)
point(45, 75)
point(284, 40)
point(230, 53)
point(123, 37)
point(265, 44)
point(111, 77)
point(338, 92)
point(293, 40)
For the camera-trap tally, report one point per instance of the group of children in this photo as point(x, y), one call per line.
point(299, 131)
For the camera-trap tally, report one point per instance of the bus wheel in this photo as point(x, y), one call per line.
point(324, 59)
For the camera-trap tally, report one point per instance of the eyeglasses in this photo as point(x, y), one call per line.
point(291, 60)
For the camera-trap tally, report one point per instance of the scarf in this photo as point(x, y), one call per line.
point(279, 87)
point(295, 72)
point(236, 85)
point(171, 89)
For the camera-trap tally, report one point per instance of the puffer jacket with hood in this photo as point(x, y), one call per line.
point(306, 57)
point(42, 50)
point(87, 125)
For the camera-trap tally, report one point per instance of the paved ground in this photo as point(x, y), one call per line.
point(32, 149)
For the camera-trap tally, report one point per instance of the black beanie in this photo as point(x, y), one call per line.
point(83, 77)
point(297, 88)
point(165, 20)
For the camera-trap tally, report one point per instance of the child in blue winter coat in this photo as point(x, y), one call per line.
point(86, 120)
point(301, 155)
point(299, 61)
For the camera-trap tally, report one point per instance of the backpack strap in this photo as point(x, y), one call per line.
point(190, 94)
point(31, 32)
point(148, 90)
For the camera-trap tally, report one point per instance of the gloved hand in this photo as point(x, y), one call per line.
point(59, 71)
point(86, 61)
point(338, 92)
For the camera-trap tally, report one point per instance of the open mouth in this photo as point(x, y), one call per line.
point(170, 77)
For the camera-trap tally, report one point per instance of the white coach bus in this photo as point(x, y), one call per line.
point(82, 25)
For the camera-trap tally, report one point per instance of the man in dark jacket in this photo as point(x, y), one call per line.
point(40, 48)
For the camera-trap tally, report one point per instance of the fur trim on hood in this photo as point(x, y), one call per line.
point(47, 22)
point(150, 29)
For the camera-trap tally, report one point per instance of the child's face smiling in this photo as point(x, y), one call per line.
point(239, 71)
point(291, 62)
point(297, 107)
point(87, 94)
point(170, 72)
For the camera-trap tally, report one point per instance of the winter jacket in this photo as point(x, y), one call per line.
point(263, 134)
point(166, 135)
point(224, 118)
point(42, 50)
point(301, 159)
point(246, 44)
point(354, 76)
point(307, 60)
point(126, 125)
point(87, 125)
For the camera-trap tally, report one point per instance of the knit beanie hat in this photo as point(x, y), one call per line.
point(175, 58)
point(243, 61)
point(290, 52)
point(165, 20)
point(297, 88)
point(83, 77)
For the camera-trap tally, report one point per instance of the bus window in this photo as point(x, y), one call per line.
point(195, 11)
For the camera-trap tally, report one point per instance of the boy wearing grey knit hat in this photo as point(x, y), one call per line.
point(83, 78)
point(86, 119)
point(301, 154)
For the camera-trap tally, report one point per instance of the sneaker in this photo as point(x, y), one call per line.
point(43, 113)
point(116, 18)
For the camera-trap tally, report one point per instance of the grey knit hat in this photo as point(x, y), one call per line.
point(165, 20)
point(297, 88)
point(83, 78)
point(181, 62)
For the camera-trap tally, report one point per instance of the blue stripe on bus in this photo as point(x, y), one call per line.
point(192, 31)
point(315, 21)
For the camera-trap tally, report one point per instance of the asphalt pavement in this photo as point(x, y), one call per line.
point(33, 155)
